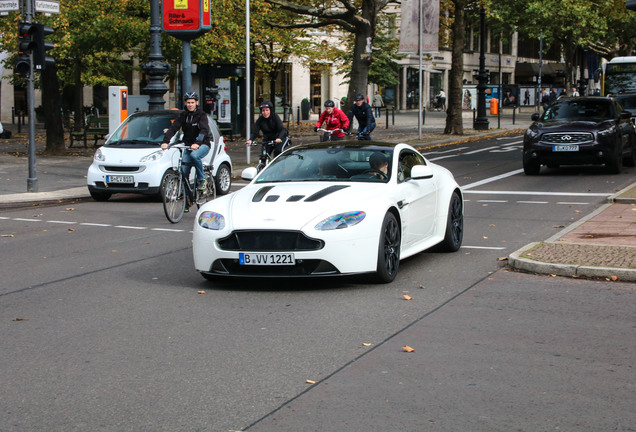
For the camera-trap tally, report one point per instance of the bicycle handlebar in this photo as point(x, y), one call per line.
point(331, 131)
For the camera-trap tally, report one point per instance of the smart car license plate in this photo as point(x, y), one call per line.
point(119, 179)
point(565, 148)
point(266, 259)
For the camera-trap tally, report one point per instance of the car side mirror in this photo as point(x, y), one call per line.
point(249, 173)
point(535, 117)
point(421, 172)
point(625, 115)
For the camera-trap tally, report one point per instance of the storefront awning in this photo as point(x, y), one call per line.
point(553, 69)
point(527, 69)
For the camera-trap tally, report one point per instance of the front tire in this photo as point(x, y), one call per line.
point(100, 196)
point(454, 226)
point(630, 159)
point(615, 164)
point(174, 198)
point(223, 179)
point(531, 167)
point(388, 250)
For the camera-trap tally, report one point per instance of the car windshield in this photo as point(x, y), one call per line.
point(627, 101)
point(579, 110)
point(329, 164)
point(141, 131)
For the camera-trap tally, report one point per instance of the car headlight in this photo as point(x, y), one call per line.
point(155, 156)
point(342, 220)
point(532, 134)
point(99, 156)
point(211, 220)
point(606, 132)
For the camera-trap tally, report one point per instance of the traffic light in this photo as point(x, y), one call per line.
point(25, 46)
point(39, 33)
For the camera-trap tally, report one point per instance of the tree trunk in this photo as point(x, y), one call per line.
point(53, 121)
point(78, 99)
point(454, 118)
point(363, 41)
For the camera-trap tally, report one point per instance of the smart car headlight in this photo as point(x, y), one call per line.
point(155, 156)
point(99, 156)
point(342, 220)
point(212, 220)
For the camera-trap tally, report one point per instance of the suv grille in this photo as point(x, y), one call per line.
point(269, 241)
point(567, 138)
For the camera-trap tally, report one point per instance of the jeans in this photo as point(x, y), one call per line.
point(364, 129)
point(194, 157)
point(378, 114)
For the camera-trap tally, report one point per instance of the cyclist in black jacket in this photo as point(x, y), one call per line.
point(363, 112)
point(270, 124)
point(193, 121)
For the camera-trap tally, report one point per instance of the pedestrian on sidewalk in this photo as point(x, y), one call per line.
point(442, 99)
point(378, 103)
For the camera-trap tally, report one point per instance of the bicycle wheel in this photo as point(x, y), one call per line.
point(174, 197)
point(209, 193)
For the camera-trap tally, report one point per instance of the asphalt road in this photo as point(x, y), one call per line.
point(106, 327)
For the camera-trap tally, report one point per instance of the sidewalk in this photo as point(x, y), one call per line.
point(601, 245)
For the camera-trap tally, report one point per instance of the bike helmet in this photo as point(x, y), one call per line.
point(267, 104)
point(359, 96)
point(191, 95)
point(329, 103)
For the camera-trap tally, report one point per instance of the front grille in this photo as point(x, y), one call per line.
point(121, 168)
point(270, 241)
point(567, 138)
point(309, 267)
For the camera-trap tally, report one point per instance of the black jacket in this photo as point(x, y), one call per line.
point(363, 113)
point(271, 127)
point(192, 124)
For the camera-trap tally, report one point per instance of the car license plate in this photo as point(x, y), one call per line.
point(119, 179)
point(565, 148)
point(266, 259)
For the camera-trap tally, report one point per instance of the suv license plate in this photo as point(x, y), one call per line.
point(266, 259)
point(565, 148)
point(119, 179)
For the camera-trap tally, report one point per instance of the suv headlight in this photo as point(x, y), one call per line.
point(606, 132)
point(155, 156)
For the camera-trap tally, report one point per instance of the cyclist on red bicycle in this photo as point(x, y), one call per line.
point(196, 133)
point(270, 124)
point(333, 118)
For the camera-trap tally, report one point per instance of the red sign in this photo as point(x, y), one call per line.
point(186, 19)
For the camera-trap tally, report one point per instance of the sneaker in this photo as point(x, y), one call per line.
point(203, 184)
point(186, 210)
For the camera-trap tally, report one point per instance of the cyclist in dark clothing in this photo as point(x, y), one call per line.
point(193, 121)
point(363, 112)
point(271, 126)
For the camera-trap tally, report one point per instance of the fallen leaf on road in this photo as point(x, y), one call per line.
point(408, 349)
point(366, 344)
point(70, 229)
point(310, 381)
point(421, 286)
point(502, 259)
point(70, 208)
point(7, 235)
point(201, 292)
point(407, 297)
point(614, 278)
point(20, 319)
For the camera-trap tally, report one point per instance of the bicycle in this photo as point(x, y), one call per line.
point(178, 193)
point(360, 136)
point(265, 158)
point(327, 133)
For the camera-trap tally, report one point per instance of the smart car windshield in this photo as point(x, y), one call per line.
point(329, 164)
point(579, 110)
point(141, 131)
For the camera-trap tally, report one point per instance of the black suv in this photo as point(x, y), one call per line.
point(580, 130)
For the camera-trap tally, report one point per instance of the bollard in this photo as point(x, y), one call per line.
point(514, 110)
point(424, 115)
point(12, 115)
point(474, 118)
point(19, 123)
point(298, 115)
point(393, 115)
point(386, 115)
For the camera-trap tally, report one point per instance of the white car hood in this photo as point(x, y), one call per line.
point(126, 155)
point(292, 205)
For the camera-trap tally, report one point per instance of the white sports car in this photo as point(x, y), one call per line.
point(329, 209)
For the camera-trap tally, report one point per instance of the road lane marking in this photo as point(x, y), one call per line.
point(533, 202)
point(61, 222)
point(130, 227)
point(542, 193)
point(95, 224)
point(492, 179)
point(483, 247)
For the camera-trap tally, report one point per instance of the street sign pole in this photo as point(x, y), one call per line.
point(32, 180)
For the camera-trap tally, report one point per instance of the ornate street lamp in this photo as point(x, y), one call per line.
point(481, 122)
point(156, 69)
